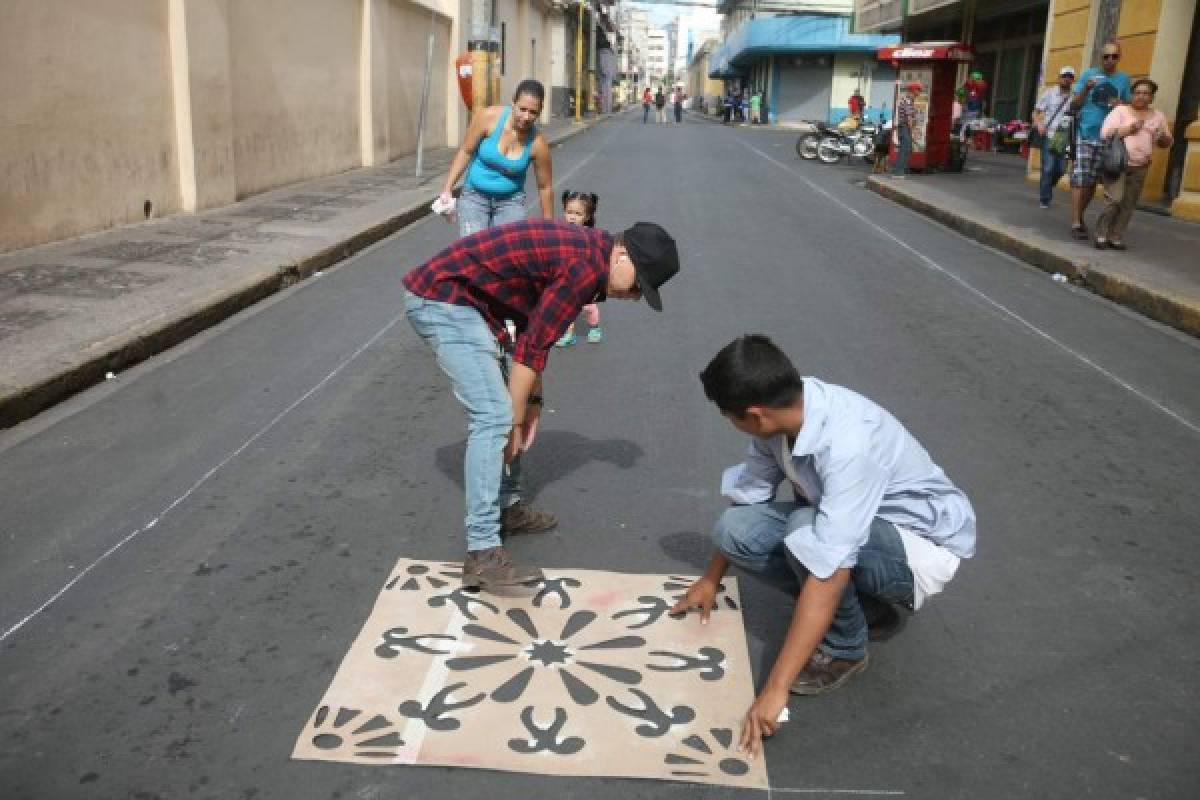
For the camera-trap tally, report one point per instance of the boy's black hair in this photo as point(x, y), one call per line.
point(588, 199)
point(531, 88)
point(751, 371)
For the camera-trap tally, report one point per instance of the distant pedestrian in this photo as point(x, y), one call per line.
point(538, 273)
point(1141, 128)
point(501, 144)
point(756, 108)
point(906, 116)
point(579, 208)
point(647, 99)
point(857, 104)
point(660, 103)
point(1097, 92)
point(726, 107)
point(1053, 129)
point(677, 103)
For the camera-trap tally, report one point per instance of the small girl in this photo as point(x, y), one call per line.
point(579, 208)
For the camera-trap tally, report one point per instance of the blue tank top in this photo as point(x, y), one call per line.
point(491, 172)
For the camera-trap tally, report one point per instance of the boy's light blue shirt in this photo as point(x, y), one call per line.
point(1090, 116)
point(854, 461)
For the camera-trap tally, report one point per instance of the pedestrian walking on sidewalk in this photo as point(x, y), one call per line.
point(647, 99)
point(1141, 128)
point(1097, 92)
point(1053, 127)
point(875, 524)
point(660, 104)
point(501, 144)
point(756, 108)
point(538, 273)
point(677, 103)
point(906, 116)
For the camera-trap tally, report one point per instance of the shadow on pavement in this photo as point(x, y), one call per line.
point(556, 454)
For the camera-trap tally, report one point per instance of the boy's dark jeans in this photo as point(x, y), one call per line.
point(1053, 168)
point(752, 537)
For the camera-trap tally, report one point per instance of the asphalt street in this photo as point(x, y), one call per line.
point(187, 551)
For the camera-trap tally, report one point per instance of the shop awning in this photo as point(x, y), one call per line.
point(793, 35)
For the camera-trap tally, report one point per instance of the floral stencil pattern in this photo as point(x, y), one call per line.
point(583, 674)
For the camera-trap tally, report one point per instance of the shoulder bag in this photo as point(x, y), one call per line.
point(1061, 136)
point(1115, 157)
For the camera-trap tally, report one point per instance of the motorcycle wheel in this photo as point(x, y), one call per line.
point(862, 147)
point(828, 150)
point(806, 146)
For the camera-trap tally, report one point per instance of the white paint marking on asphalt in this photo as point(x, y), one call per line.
point(414, 732)
point(871, 792)
point(1194, 427)
point(203, 479)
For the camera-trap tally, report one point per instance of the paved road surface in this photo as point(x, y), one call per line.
point(213, 527)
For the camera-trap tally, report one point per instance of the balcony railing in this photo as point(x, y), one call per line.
point(878, 15)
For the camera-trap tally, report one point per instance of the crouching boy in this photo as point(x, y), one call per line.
point(875, 524)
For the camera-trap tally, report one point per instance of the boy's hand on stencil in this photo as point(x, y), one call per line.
point(762, 720)
point(702, 595)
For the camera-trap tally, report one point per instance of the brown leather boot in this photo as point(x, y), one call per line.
point(520, 518)
point(494, 566)
point(825, 673)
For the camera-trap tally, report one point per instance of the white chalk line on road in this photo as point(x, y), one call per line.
point(202, 480)
point(856, 792)
point(1116, 379)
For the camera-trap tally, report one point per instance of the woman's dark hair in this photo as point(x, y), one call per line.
point(1144, 81)
point(751, 371)
point(530, 88)
point(590, 201)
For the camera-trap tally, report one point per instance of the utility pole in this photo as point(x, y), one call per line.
point(482, 49)
point(579, 67)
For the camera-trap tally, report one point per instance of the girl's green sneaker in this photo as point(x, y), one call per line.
point(595, 335)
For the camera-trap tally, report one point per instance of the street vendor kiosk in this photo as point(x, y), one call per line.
point(933, 65)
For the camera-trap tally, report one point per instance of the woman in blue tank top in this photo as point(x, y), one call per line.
point(500, 144)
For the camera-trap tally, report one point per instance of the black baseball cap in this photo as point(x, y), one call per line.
point(654, 257)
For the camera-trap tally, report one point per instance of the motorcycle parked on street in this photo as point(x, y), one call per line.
point(810, 138)
point(837, 144)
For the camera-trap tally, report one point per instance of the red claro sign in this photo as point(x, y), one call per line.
point(927, 51)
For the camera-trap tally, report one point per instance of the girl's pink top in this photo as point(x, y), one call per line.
point(1140, 145)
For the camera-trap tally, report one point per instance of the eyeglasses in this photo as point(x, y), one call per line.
point(1112, 56)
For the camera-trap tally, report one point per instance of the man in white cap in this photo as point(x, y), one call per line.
point(1053, 127)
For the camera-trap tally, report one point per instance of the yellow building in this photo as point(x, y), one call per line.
point(700, 87)
point(1158, 39)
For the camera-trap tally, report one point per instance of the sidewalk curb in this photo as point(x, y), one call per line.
point(134, 346)
point(1178, 314)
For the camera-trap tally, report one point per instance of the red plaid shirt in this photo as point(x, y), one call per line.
point(539, 273)
point(906, 111)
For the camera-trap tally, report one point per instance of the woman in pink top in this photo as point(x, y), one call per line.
point(1142, 128)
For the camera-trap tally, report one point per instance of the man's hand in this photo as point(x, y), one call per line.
point(762, 720)
point(1091, 82)
point(533, 415)
point(513, 448)
point(702, 595)
point(1041, 129)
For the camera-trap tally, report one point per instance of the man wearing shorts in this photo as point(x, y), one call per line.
point(1097, 92)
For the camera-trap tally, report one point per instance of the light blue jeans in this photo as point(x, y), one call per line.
point(752, 538)
point(478, 211)
point(467, 351)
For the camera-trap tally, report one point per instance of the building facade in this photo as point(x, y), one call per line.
point(803, 57)
point(1023, 45)
point(141, 108)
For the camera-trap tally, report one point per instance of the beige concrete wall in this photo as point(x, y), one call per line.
point(294, 68)
point(407, 38)
point(193, 104)
point(86, 124)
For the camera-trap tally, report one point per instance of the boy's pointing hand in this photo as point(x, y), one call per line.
point(702, 595)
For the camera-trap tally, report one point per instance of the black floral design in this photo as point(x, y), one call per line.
point(703, 757)
point(413, 574)
point(374, 738)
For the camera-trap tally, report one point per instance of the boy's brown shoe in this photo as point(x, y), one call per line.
point(485, 569)
point(825, 673)
point(520, 518)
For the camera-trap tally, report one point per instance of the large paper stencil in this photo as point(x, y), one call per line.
point(586, 674)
